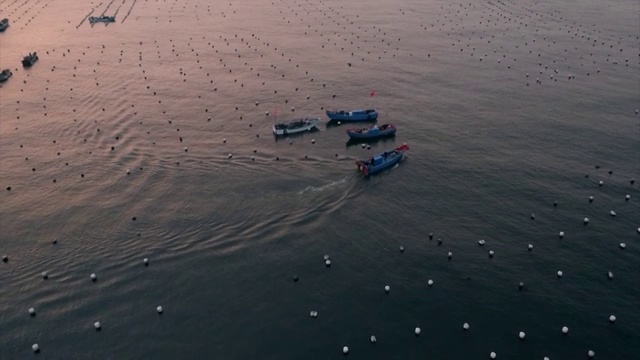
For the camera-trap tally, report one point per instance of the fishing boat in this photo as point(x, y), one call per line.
point(295, 126)
point(4, 24)
point(353, 116)
point(5, 74)
point(380, 162)
point(103, 18)
point(30, 59)
point(372, 132)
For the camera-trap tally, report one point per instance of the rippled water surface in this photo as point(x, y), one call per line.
point(150, 138)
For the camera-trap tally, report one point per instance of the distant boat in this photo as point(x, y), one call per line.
point(5, 75)
point(103, 18)
point(295, 126)
point(380, 162)
point(354, 115)
point(30, 59)
point(372, 132)
point(4, 24)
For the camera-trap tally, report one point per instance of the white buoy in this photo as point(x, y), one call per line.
point(128, 172)
point(522, 335)
point(450, 254)
point(533, 216)
point(159, 309)
point(401, 248)
point(94, 277)
point(561, 234)
point(418, 331)
point(586, 220)
point(224, 140)
point(387, 289)
point(559, 273)
point(565, 330)
point(623, 246)
point(345, 350)
point(313, 141)
point(373, 339)
point(491, 253)
point(610, 275)
point(612, 318)
point(546, 358)
point(493, 355)
point(627, 197)
point(591, 354)
point(35, 348)
point(313, 314)
point(145, 261)
point(612, 213)
point(44, 275)
point(97, 325)
point(229, 156)
point(465, 326)
point(590, 198)
point(530, 247)
point(326, 257)
point(600, 183)
point(32, 311)
point(186, 149)
point(327, 262)
point(481, 242)
point(430, 282)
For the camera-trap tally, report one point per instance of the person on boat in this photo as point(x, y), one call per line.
point(375, 127)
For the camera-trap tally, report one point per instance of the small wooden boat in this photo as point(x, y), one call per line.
point(4, 24)
point(353, 116)
point(295, 126)
point(5, 75)
point(380, 162)
point(103, 18)
point(372, 132)
point(30, 59)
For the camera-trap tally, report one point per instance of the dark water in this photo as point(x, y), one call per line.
point(225, 236)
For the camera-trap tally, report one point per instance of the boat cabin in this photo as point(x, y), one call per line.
point(377, 160)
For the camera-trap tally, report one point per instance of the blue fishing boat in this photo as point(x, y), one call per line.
point(103, 18)
point(5, 75)
point(383, 161)
point(30, 59)
point(4, 24)
point(372, 132)
point(353, 116)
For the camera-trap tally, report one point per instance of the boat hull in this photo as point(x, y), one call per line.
point(353, 116)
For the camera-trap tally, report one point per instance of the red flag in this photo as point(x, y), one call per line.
point(373, 93)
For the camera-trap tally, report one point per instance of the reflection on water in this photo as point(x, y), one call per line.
point(151, 138)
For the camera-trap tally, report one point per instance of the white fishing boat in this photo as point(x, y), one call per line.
point(295, 126)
